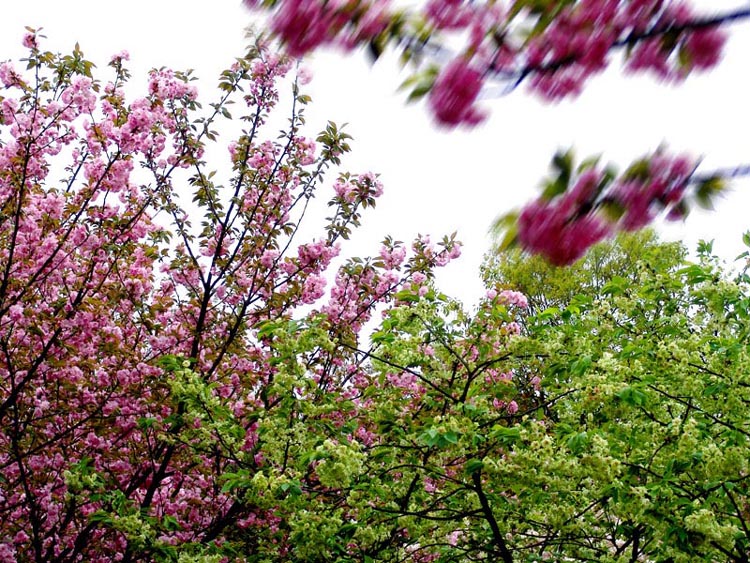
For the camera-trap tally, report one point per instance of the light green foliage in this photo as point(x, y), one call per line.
point(634, 447)
point(187, 558)
point(548, 286)
point(652, 430)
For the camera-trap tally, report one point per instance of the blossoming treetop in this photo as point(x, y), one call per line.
point(137, 328)
point(554, 44)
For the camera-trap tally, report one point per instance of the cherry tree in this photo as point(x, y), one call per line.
point(456, 48)
point(143, 297)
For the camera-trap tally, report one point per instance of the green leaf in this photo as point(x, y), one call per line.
point(472, 466)
point(705, 247)
point(581, 365)
point(407, 295)
point(170, 523)
point(612, 210)
point(562, 170)
point(430, 437)
point(451, 437)
point(562, 163)
point(548, 313)
point(170, 362)
point(577, 442)
point(376, 46)
point(144, 423)
point(505, 229)
point(234, 481)
point(101, 517)
point(267, 328)
point(553, 188)
point(632, 396)
point(640, 171)
point(616, 286)
point(381, 337)
point(588, 163)
point(715, 389)
point(293, 488)
point(708, 189)
point(695, 274)
point(504, 435)
point(434, 438)
point(420, 83)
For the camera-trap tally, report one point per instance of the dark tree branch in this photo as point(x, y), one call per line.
point(497, 535)
point(629, 40)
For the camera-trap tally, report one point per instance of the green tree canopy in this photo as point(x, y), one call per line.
point(614, 429)
point(546, 285)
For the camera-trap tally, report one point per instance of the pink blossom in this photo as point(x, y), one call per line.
point(449, 14)
point(512, 328)
point(119, 57)
point(516, 298)
point(370, 185)
point(345, 190)
point(546, 229)
point(557, 59)
point(165, 85)
point(8, 75)
point(21, 537)
point(455, 250)
point(392, 257)
point(313, 289)
point(674, 57)
point(704, 47)
point(563, 228)
point(304, 75)
point(452, 98)
point(303, 25)
point(269, 257)
point(30, 41)
point(418, 278)
point(374, 20)
point(454, 536)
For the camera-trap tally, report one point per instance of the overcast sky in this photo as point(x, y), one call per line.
point(437, 181)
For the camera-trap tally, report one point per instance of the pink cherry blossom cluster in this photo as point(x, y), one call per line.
point(510, 297)
point(454, 95)
point(555, 231)
point(673, 57)
point(564, 225)
point(360, 287)
point(354, 190)
point(308, 24)
point(166, 86)
point(568, 42)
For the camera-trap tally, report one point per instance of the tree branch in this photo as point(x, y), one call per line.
point(497, 535)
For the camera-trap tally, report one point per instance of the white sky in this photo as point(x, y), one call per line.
point(437, 181)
